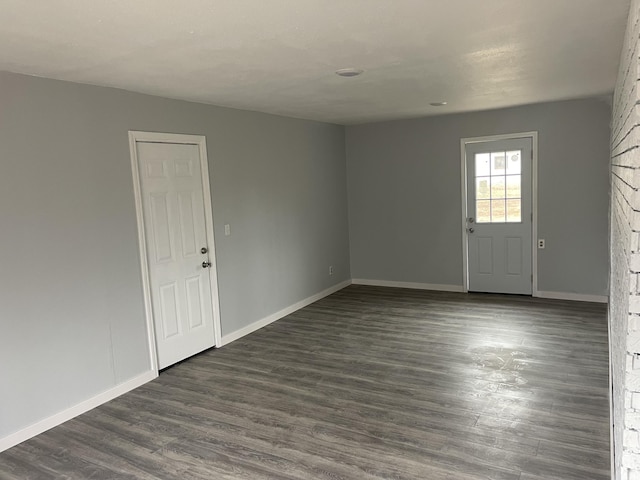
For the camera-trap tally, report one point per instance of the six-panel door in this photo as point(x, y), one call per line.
point(175, 233)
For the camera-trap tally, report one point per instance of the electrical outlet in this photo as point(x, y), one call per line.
point(330, 269)
point(541, 243)
point(227, 230)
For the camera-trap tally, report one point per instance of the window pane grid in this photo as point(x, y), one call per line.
point(498, 187)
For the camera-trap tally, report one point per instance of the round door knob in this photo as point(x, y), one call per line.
point(206, 264)
point(470, 230)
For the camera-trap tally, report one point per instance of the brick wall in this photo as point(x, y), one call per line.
point(624, 309)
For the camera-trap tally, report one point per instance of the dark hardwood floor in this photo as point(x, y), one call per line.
point(368, 383)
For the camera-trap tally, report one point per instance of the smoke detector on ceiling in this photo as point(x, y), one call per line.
point(349, 72)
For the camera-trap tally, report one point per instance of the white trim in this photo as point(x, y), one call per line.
point(534, 210)
point(142, 247)
point(534, 201)
point(200, 141)
point(213, 270)
point(413, 285)
point(78, 409)
point(505, 136)
point(230, 337)
point(463, 189)
point(577, 297)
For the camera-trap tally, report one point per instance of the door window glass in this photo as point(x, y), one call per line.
point(498, 185)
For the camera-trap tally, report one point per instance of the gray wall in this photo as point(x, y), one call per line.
point(405, 199)
point(71, 308)
point(71, 312)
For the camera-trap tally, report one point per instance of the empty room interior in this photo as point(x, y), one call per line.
point(314, 240)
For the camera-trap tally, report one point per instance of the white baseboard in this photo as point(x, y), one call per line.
point(78, 409)
point(417, 286)
point(226, 339)
point(577, 297)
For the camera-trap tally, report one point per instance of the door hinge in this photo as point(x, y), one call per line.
point(532, 278)
point(532, 216)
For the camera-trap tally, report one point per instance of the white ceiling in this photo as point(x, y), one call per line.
point(279, 56)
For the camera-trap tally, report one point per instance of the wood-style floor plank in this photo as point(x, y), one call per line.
point(369, 383)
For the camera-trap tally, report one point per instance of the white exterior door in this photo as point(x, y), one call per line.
point(499, 216)
point(178, 253)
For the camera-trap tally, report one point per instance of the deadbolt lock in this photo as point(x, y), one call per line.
point(203, 250)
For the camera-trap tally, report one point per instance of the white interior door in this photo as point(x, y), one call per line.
point(179, 255)
point(499, 216)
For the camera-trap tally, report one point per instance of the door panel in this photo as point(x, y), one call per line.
point(514, 256)
point(187, 224)
point(161, 234)
point(175, 226)
point(194, 301)
point(485, 254)
point(498, 216)
point(168, 312)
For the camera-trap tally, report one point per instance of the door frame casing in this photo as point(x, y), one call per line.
point(173, 138)
point(534, 202)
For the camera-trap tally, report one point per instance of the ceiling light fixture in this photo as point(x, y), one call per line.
point(349, 72)
point(438, 104)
